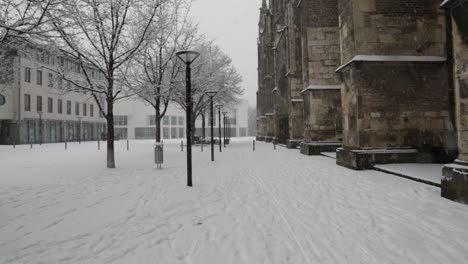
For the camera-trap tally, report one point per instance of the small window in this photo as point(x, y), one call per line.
point(174, 120)
point(69, 108)
point(181, 120)
point(50, 105)
point(39, 77)
point(166, 121)
point(27, 102)
point(51, 80)
point(77, 108)
point(59, 106)
point(85, 109)
point(60, 83)
point(27, 75)
point(39, 104)
point(91, 110)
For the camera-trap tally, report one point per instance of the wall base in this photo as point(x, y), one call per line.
point(293, 143)
point(315, 148)
point(454, 185)
point(260, 138)
point(365, 159)
point(269, 139)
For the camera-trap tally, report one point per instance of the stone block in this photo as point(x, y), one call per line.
point(365, 159)
point(317, 147)
point(454, 185)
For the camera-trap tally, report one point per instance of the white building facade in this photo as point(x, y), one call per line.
point(134, 119)
point(39, 106)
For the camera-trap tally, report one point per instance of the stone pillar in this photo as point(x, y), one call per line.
point(321, 89)
point(455, 176)
point(394, 83)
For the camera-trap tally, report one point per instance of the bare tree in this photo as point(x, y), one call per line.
point(24, 18)
point(155, 70)
point(22, 22)
point(213, 70)
point(103, 36)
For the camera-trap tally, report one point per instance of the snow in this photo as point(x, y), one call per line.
point(329, 154)
point(267, 206)
point(445, 2)
point(393, 58)
point(427, 172)
point(321, 87)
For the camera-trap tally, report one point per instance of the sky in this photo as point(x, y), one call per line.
point(233, 25)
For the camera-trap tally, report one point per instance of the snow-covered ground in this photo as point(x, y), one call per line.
point(427, 172)
point(64, 206)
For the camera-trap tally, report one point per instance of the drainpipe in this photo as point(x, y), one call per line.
point(453, 136)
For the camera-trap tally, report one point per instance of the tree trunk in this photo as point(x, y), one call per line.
point(157, 123)
point(110, 134)
point(203, 124)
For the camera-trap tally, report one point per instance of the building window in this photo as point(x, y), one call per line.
point(85, 109)
point(68, 107)
point(91, 110)
point(77, 108)
point(59, 106)
point(39, 104)
point(166, 120)
point(181, 132)
point(166, 133)
point(145, 132)
point(51, 80)
point(27, 102)
point(27, 75)
point(60, 83)
point(181, 120)
point(174, 132)
point(39, 77)
point(50, 105)
point(120, 120)
point(152, 120)
point(174, 120)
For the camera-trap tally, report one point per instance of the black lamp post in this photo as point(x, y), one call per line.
point(188, 57)
point(219, 106)
point(40, 127)
point(224, 124)
point(211, 94)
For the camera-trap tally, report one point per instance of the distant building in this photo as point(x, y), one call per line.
point(134, 119)
point(39, 106)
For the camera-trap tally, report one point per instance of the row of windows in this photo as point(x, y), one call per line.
point(120, 120)
point(66, 64)
point(150, 132)
point(173, 120)
point(50, 106)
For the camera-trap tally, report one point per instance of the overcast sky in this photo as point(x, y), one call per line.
point(233, 24)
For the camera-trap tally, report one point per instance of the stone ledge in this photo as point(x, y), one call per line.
point(260, 138)
point(316, 147)
point(454, 185)
point(365, 159)
point(293, 143)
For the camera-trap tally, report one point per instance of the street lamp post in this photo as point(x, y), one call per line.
point(40, 127)
point(224, 124)
point(219, 106)
point(188, 57)
point(211, 94)
point(79, 130)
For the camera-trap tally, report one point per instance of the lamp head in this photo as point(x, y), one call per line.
point(224, 113)
point(219, 106)
point(187, 56)
point(211, 93)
